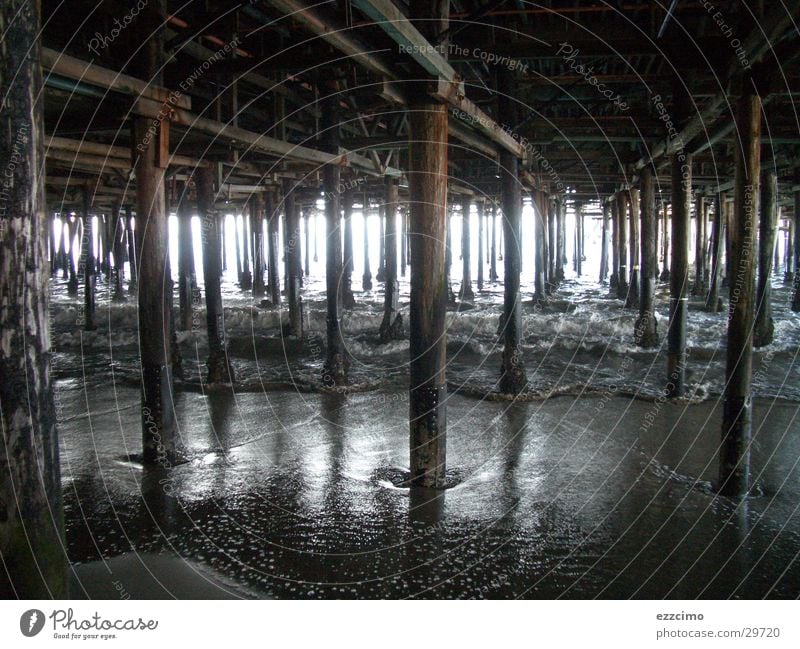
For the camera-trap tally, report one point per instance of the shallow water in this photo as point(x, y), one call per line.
point(604, 491)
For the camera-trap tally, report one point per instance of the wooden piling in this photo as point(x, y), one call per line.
point(764, 329)
point(273, 235)
point(348, 300)
point(150, 147)
point(665, 252)
point(632, 299)
point(185, 262)
point(307, 242)
point(291, 253)
point(552, 282)
point(561, 211)
point(246, 283)
point(117, 239)
point(622, 222)
point(257, 230)
point(604, 242)
point(734, 466)
point(130, 238)
point(698, 288)
point(540, 232)
point(392, 325)
point(713, 302)
point(366, 278)
point(645, 331)
point(334, 370)
point(796, 243)
point(31, 516)
point(493, 253)
point(427, 184)
point(681, 165)
point(481, 222)
point(466, 294)
point(219, 368)
point(89, 265)
point(612, 282)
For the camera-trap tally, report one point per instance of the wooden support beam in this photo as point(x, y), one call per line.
point(622, 222)
point(427, 180)
point(466, 294)
point(31, 513)
point(713, 302)
point(481, 220)
point(186, 275)
point(645, 333)
point(392, 324)
point(291, 253)
point(220, 369)
point(257, 230)
point(159, 426)
point(679, 274)
point(334, 371)
point(764, 328)
point(734, 465)
point(632, 299)
point(273, 232)
point(64, 65)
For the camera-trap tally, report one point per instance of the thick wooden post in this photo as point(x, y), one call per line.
point(713, 302)
point(381, 271)
point(561, 209)
point(466, 294)
point(273, 234)
point(632, 300)
point(614, 246)
point(665, 251)
point(237, 243)
point(493, 253)
point(366, 278)
point(130, 238)
point(219, 368)
point(734, 466)
point(622, 221)
point(185, 262)
point(481, 220)
point(307, 243)
point(89, 266)
point(427, 180)
point(257, 229)
point(392, 325)
point(796, 241)
point(552, 281)
point(679, 273)
point(540, 232)
point(291, 252)
point(403, 242)
point(512, 371)
point(604, 242)
point(348, 300)
point(645, 333)
point(246, 283)
point(768, 221)
point(150, 152)
point(31, 516)
point(579, 256)
point(698, 287)
point(62, 246)
point(334, 371)
point(791, 269)
point(117, 242)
